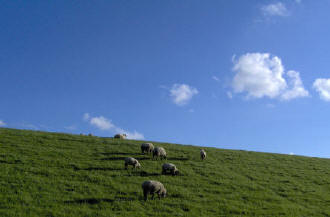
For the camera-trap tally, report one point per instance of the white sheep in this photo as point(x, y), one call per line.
point(159, 152)
point(120, 136)
point(203, 154)
point(152, 187)
point(168, 167)
point(132, 161)
point(147, 147)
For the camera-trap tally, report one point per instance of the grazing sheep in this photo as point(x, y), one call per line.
point(203, 154)
point(152, 187)
point(147, 147)
point(120, 136)
point(90, 134)
point(132, 161)
point(171, 168)
point(159, 152)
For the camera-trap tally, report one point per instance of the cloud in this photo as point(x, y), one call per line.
point(2, 123)
point(28, 126)
point(86, 117)
point(101, 122)
point(182, 93)
point(275, 9)
point(229, 94)
point(215, 78)
point(296, 87)
point(72, 127)
point(105, 124)
point(261, 75)
point(322, 86)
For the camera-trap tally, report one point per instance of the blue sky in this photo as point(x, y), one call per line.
point(251, 75)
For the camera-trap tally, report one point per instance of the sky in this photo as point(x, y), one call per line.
point(248, 75)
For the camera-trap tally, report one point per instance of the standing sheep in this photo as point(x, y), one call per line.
point(171, 168)
point(147, 147)
point(203, 154)
point(120, 136)
point(152, 187)
point(159, 152)
point(132, 161)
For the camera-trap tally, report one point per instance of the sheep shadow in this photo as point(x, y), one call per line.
point(113, 158)
point(93, 201)
point(14, 162)
point(178, 158)
point(120, 153)
point(101, 169)
point(90, 201)
point(142, 173)
point(123, 158)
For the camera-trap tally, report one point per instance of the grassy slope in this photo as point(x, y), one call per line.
point(48, 174)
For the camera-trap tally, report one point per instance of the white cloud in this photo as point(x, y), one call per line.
point(2, 123)
point(215, 78)
point(261, 75)
point(275, 9)
point(322, 86)
point(296, 87)
point(86, 117)
point(182, 93)
point(101, 122)
point(291, 153)
point(229, 94)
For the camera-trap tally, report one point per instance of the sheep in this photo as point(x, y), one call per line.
point(132, 161)
point(159, 152)
point(147, 147)
point(171, 168)
point(203, 154)
point(152, 187)
point(120, 136)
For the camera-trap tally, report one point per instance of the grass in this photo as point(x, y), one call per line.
point(53, 174)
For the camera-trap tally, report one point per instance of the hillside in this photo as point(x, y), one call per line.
point(53, 174)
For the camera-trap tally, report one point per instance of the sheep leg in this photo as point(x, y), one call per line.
point(126, 166)
point(152, 195)
point(145, 194)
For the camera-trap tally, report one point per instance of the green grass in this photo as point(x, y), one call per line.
point(53, 174)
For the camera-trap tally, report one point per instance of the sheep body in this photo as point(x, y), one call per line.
point(132, 161)
point(168, 167)
point(159, 152)
point(203, 154)
point(147, 147)
point(120, 136)
point(152, 187)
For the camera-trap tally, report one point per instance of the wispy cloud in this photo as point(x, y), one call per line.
point(28, 126)
point(322, 86)
point(262, 75)
point(105, 124)
point(2, 123)
point(215, 78)
point(181, 94)
point(72, 127)
point(275, 9)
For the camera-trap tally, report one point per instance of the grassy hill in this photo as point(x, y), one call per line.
point(53, 174)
